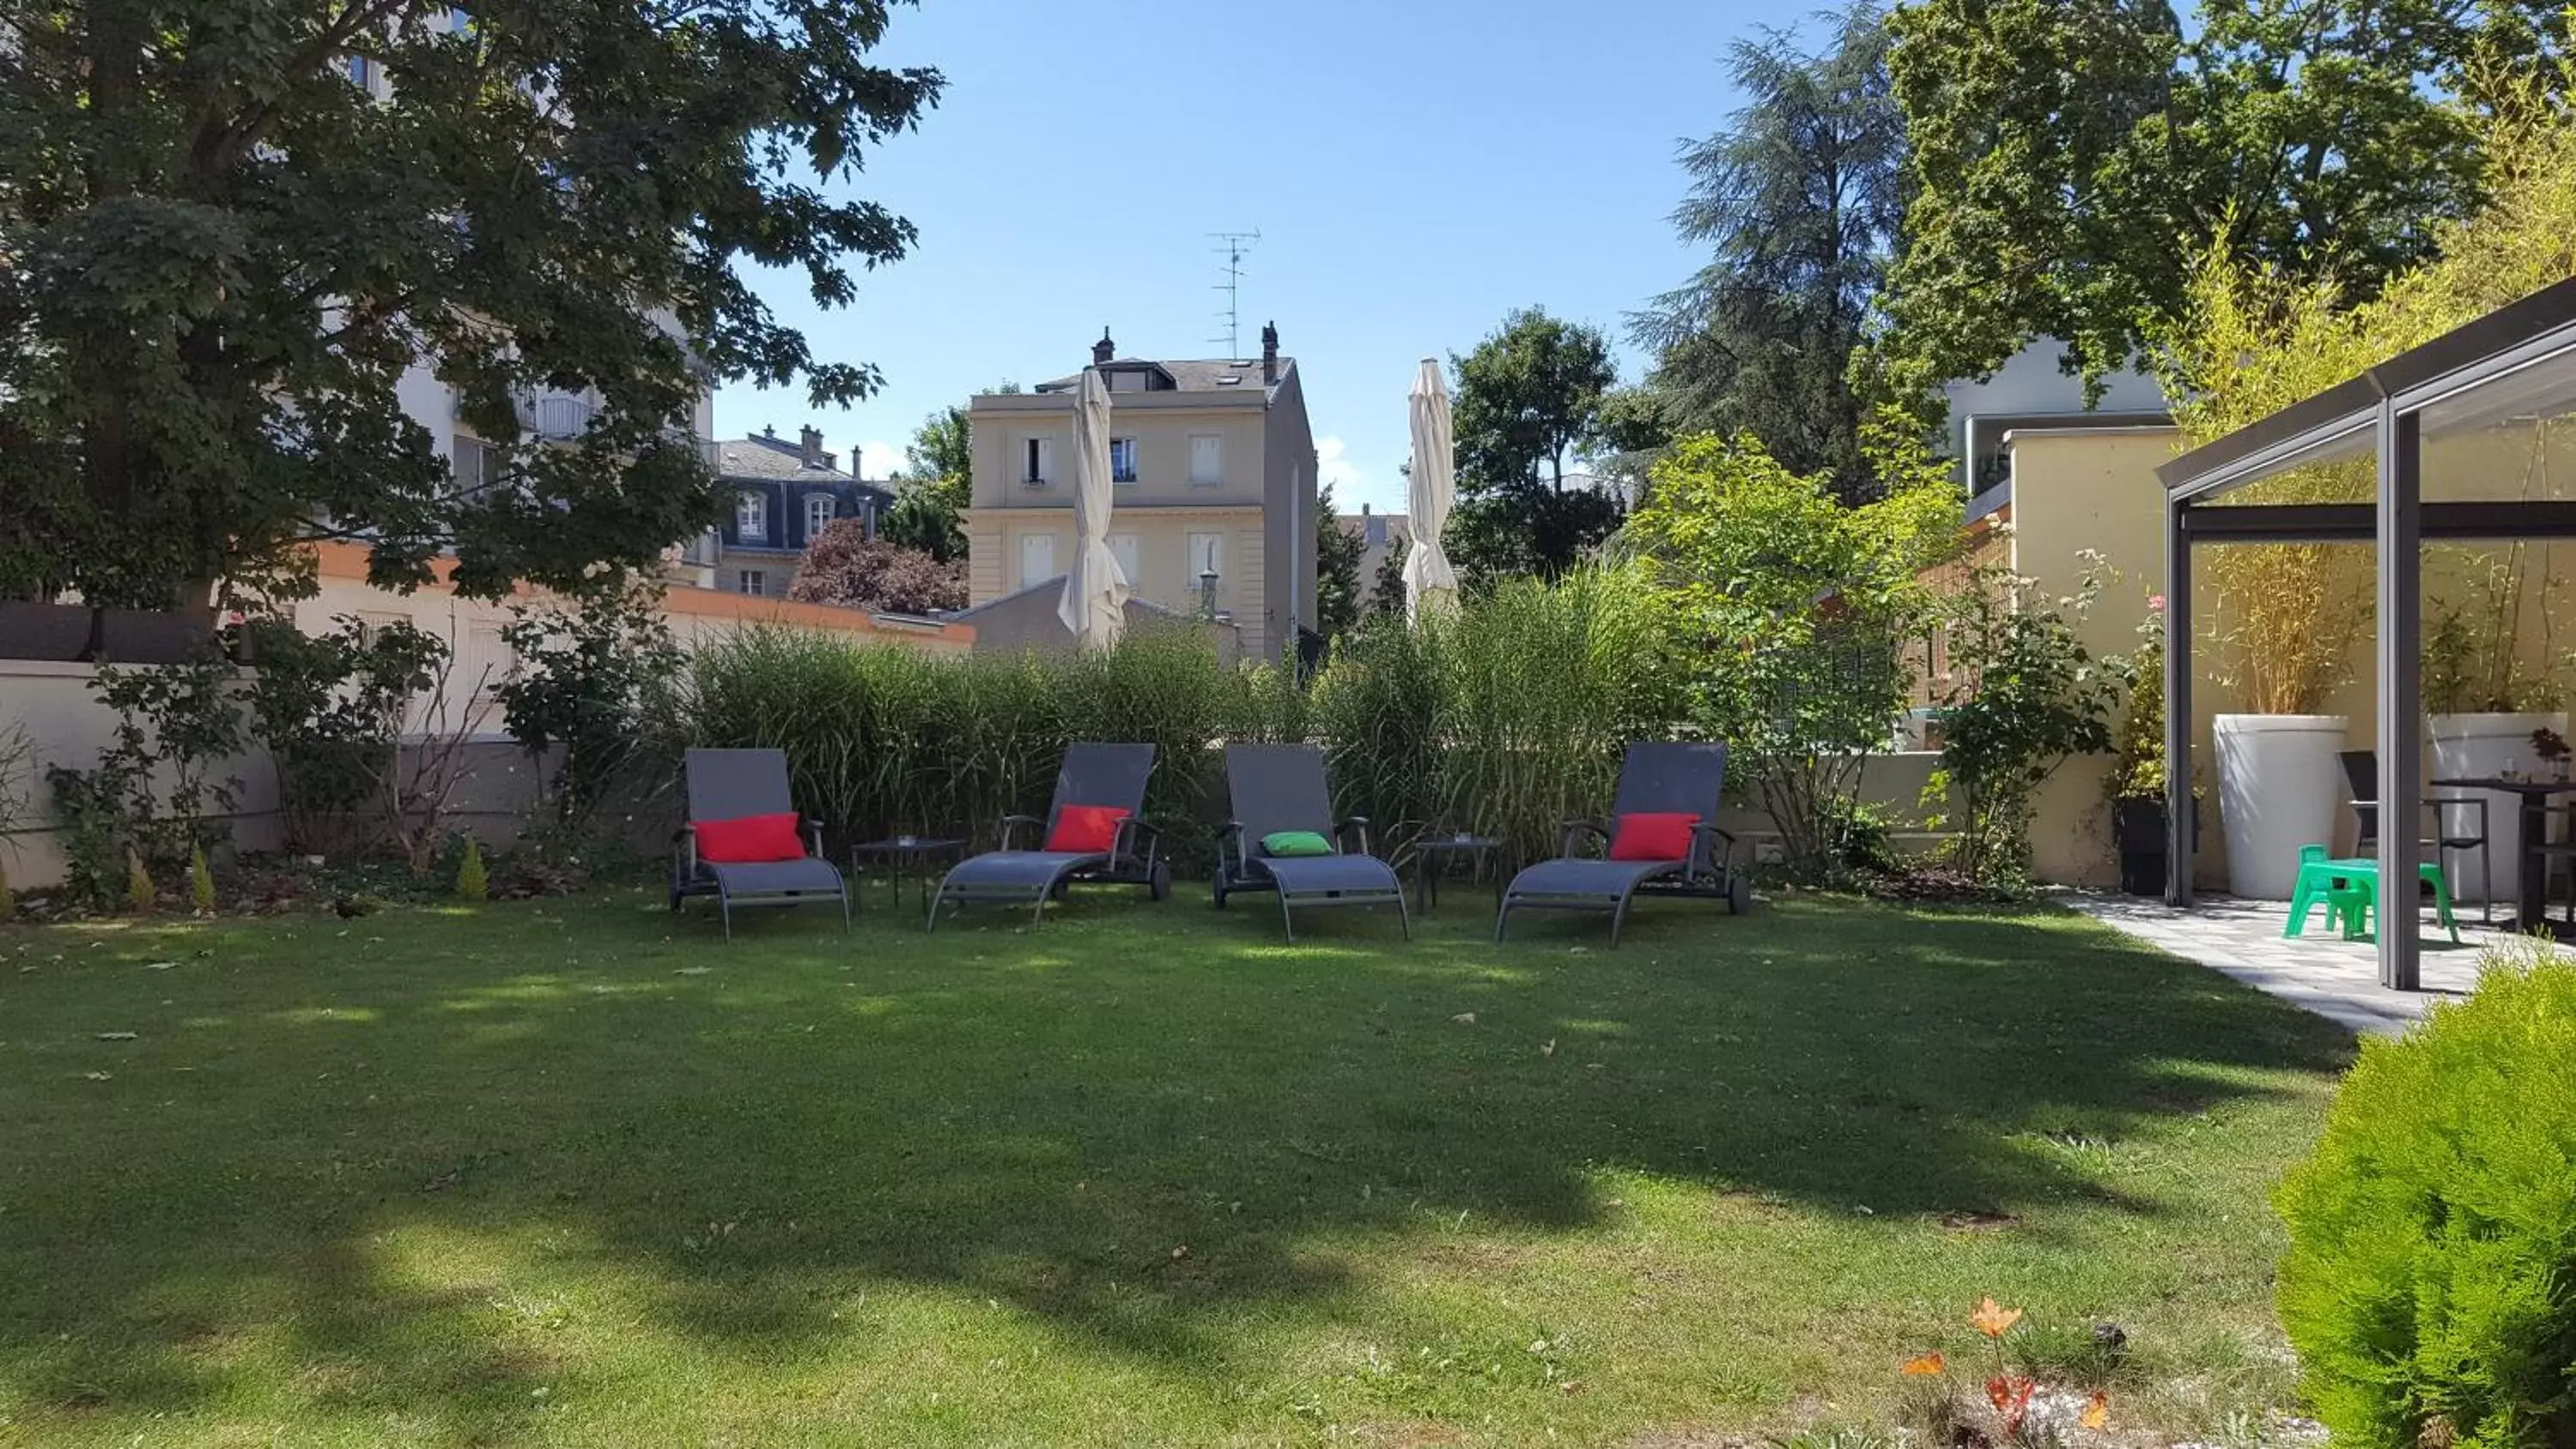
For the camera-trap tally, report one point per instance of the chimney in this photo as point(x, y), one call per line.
point(815, 457)
point(1103, 350)
point(1269, 352)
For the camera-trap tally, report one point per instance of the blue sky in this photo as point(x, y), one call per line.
point(1416, 168)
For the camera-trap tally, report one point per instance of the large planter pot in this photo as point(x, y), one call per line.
point(2474, 745)
point(2279, 786)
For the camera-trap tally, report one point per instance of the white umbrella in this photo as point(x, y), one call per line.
point(1095, 591)
point(1429, 582)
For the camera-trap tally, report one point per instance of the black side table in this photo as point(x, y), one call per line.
point(1432, 855)
point(919, 850)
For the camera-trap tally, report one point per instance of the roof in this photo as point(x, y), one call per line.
point(758, 456)
point(1187, 375)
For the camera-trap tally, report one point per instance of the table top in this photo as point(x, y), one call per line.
point(895, 844)
point(1458, 842)
point(2518, 787)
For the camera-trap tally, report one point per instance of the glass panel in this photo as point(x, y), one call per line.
point(2510, 438)
point(2341, 469)
point(2500, 616)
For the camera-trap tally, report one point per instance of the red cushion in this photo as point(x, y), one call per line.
point(1086, 829)
point(1652, 836)
point(749, 839)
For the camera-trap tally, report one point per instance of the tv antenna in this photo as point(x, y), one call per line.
point(1232, 245)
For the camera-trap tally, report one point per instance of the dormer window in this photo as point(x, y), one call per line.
point(751, 516)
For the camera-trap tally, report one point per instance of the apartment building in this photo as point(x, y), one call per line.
point(780, 495)
point(1213, 464)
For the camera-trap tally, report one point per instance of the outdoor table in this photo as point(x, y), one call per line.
point(894, 850)
point(2535, 796)
point(1431, 856)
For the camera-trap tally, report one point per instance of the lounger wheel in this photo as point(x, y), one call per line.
point(1158, 883)
point(1739, 895)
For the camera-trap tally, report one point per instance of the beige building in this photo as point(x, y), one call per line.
point(1213, 464)
point(1379, 534)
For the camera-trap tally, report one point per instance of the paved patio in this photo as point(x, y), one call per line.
point(2335, 978)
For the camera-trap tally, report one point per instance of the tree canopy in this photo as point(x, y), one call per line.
point(2069, 159)
point(233, 226)
point(1338, 551)
point(1798, 201)
point(936, 486)
point(844, 566)
point(1525, 400)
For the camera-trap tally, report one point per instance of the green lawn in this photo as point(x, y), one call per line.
point(573, 1173)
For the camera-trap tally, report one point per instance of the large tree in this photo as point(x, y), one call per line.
point(1527, 399)
point(228, 228)
point(935, 487)
point(844, 566)
point(1798, 202)
point(2070, 160)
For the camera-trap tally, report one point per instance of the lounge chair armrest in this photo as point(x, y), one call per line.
point(814, 836)
point(1229, 835)
point(1349, 825)
point(1129, 827)
point(684, 846)
point(1721, 851)
point(1011, 826)
point(1573, 828)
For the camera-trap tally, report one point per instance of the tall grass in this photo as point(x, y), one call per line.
point(1506, 719)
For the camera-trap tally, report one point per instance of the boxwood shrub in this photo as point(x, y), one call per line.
point(2430, 1283)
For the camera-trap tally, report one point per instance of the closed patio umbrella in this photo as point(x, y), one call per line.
point(1095, 590)
point(1429, 582)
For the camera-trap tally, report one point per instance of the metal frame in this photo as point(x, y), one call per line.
point(2387, 401)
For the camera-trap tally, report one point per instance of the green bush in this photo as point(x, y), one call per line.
point(2430, 1285)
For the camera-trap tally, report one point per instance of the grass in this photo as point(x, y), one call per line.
point(573, 1173)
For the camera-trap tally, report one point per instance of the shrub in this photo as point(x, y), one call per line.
point(844, 566)
point(201, 883)
point(473, 882)
point(2430, 1283)
point(139, 894)
point(591, 680)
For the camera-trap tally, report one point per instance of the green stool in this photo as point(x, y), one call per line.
point(2350, 888)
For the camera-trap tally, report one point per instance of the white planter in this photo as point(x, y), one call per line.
point(2487, 745)
point(2279, 786)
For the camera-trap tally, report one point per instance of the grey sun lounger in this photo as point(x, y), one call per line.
point(729, 784)
point(1654, 778)
point(1281, 787)
point(1112, 775)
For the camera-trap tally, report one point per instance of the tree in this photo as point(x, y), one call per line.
point(844, 566)
point(1528, 397)
point(234, 226)
point(1798, 201)
point(1337, 569)
point(1793, 609)
point(2070, 159)
point(936, 487)
point(1386, 591)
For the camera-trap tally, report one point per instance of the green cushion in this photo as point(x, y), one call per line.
point(1295, 842)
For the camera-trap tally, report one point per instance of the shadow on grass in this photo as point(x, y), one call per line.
point(1131, 1122)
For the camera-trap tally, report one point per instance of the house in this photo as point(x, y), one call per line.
point(1379, 534)
point(782, 495)
point(1213, 465)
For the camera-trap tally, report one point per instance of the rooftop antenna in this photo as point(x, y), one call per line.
point(1232, 245)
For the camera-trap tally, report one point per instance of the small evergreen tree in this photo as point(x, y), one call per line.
point(138, 883)
point(472, 882)
point(201, 882)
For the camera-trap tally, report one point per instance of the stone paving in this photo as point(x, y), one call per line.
point(2335, 978)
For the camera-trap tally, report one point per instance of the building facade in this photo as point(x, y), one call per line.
point(779, 495)
point(1213, 469)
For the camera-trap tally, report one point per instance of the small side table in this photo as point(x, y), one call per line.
point(920, 850)
point(1432, 855)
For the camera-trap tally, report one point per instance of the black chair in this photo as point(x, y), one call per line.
point(2558, 853)
point(730, 784)
point(1092, 774)
point(1655, 778)
point(1279, 788)
point(2361, 774)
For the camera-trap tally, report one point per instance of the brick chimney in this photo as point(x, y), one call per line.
point(1103, 350)
point(1269, 352)
point(812, 440)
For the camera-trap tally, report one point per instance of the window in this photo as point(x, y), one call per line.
point(1122, 547)
point(818, 513)
point(753, 582)
point(1207, 556)
point(751, 516)
point(363, 70)
point(1041, 462)
point(1037, 558)
point(1122, 460)
point(1207, 460)
point(477, 464)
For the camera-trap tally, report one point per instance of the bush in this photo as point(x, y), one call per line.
point(473, 882)
point(844, 566)
point(2430, 1284)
